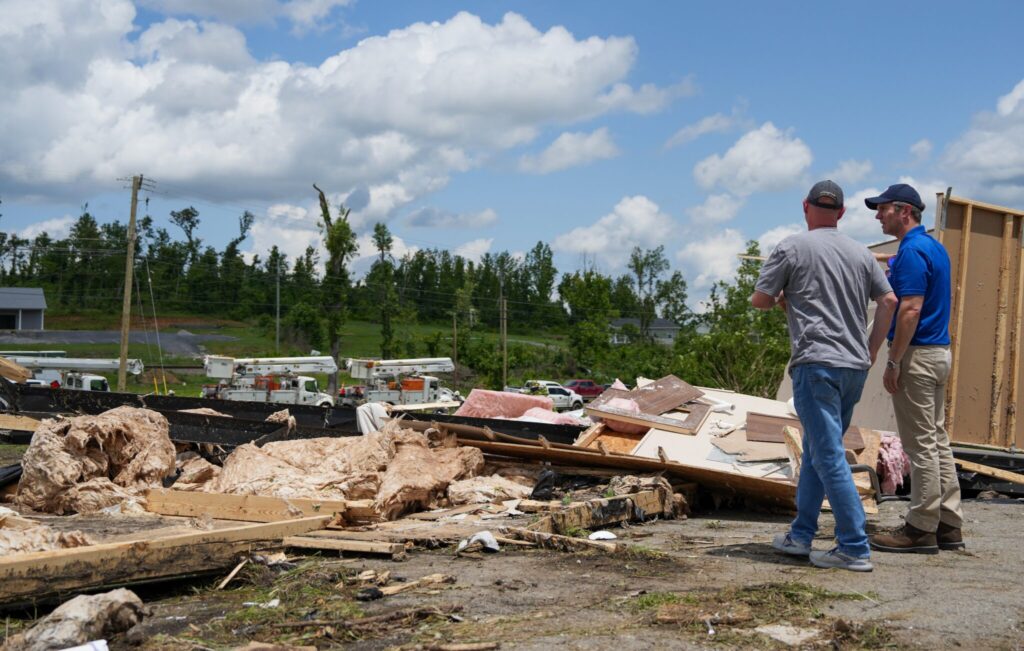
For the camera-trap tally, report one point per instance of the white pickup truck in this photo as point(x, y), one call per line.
point(563, 399)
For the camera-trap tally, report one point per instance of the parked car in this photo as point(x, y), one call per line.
point(565, 399)
point(586, 388)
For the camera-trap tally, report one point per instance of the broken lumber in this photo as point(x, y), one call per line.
point(697, 413)
point(13, 371)
point(430, 579)
point(356, 546)
point(560, 543)
point(35, 577)
point(989, 471)
point(252, 508)
point(602, 512)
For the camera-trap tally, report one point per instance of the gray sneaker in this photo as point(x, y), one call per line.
point(785, 544)
point(834, 558)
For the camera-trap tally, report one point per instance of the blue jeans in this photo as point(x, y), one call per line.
point(824, 399)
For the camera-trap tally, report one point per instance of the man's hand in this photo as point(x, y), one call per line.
point(780, 300)
point(891, 379)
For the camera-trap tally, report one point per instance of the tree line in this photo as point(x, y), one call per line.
point(728, 345)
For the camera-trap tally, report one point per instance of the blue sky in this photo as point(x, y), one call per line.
point(487, 126)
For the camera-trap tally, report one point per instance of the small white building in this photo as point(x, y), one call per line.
point(662, 331)
point(22, 308)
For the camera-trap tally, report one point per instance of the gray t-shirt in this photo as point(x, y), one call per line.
point(827, 279)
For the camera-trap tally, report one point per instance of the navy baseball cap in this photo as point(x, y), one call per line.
point(900, 192)
point(826, 194)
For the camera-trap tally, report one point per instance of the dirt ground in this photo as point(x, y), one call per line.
point(683, 579)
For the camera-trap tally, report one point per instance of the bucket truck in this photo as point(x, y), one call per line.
point(401, 381)
point(73, 372)
point(268, 379)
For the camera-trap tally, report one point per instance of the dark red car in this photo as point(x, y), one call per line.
point(588, 389)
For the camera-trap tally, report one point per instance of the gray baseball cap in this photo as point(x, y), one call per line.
point(826, 194)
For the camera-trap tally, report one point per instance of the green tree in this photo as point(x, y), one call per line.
point(383, 276)
point(736, 347)
point(587, 296)
point(647, 267)
point(340, 242)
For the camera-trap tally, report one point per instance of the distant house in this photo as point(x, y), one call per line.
point(662, 331)
point(22, 308)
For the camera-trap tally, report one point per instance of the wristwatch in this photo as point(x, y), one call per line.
point(892, 364)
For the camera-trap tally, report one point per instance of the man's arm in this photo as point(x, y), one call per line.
point(763, 301)
point(906, 325)
point(885, 307)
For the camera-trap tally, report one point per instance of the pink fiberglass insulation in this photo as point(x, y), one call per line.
point(624, 404)
point(539, 415)
point(482, 403)
point(893, 464)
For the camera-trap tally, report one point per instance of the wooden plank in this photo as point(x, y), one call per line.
point(1015, 347)
point(28, 578)
point(425, 406)
point(695, 416)
point(617, 442)
point(251, 508)
point(14, 372)
point(956, 331)
point(989, 471)
point(765, 428)
point(588, 435)
point(770, 491)
point(561, 543)
point(664, 395)
point(356, 546)
point(19, 423)
point(997, 407)
point(612, 510)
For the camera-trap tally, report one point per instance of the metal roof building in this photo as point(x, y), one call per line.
point(22, 308)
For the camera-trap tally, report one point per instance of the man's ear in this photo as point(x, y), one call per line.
point(842, 211)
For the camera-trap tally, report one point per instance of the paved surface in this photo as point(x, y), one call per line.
point(182, 343)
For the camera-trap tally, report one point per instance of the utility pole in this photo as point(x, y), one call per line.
point(455, 345)
point(126, 306)
point(277, 326)
point(503, 312)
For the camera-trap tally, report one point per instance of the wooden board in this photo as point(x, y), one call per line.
point(749, 451)
point(251, 508)
point(664, 395)
point(29, 578)
point(769, 491)
point(989, 471)
point(608, 394)
point(765, 428)
point(19, 423)
point(617, 442)
point(690, 425)
point(354, 546)
point(612, 510)
point(13, 372)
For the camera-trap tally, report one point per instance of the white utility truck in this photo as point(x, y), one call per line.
point(401, 381)
point(73, 372)
point(268, 379)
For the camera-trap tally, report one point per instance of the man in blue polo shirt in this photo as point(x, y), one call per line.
point(915, 375)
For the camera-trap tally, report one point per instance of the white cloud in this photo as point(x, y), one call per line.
point(571, 149)
point(771, 238)
point(988, 159)
point(716, 208)
point(303, 14)
point(393, 116)
point(474, 249)
point(763, 159)
point(716, 123)
point(307, 14)
point(57, 228)
point(921, 150)
point(635, 221)
point(436, 218)
point(850, 172)
point(713, 258)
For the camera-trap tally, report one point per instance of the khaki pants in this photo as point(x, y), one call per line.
point(920, 407)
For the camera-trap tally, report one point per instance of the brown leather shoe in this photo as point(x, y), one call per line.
point(950, 538)
point(908, 539)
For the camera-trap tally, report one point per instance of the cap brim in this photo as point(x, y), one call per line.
point(874, 202)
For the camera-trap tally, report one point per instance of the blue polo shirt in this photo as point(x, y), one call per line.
point(921, 268)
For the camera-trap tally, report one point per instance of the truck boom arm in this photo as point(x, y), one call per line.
point(134, 366)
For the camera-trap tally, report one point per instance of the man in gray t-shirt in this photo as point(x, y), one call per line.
point(824, 281)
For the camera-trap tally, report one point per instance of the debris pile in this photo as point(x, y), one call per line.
point(87, 463)
point(482, 403)
point(395, 467)
point(81, 620)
